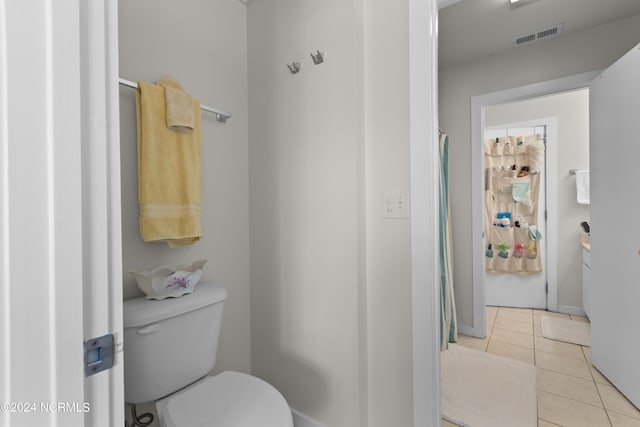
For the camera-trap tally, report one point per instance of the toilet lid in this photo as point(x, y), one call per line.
point(230, 399)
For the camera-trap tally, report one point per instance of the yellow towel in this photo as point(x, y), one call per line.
point(169, 172)
point(179, 104)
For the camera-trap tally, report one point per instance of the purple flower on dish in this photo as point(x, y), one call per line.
point(178, 282)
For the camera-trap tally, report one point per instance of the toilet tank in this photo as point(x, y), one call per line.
point(170, 343)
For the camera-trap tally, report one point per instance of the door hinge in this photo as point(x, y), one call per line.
point(546, 288)
point(99, 354)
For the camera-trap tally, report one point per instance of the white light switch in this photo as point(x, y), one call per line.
point(395, 204)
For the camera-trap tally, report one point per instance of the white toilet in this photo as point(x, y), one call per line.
point(170, 346)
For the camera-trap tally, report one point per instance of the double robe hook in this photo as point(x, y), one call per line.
point(294, 67)
point(317, 58)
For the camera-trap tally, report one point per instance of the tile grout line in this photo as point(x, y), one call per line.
point(564, 373)
point(606, 410)
point(535, 363)
point(533, 326)
point(486, 349)
point(621, 413)
point(549, 422)
point(574, 400)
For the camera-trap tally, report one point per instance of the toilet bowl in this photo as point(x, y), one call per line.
point(170, 347)
point(230, 399)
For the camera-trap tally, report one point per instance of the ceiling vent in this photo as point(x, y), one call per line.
point(538, 35)
point(515, 4)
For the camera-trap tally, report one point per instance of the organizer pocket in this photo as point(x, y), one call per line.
point(500, 264)
point(521, 236)
point(508, 143)
point(502, 189)
point(488, 263)
point(497, 163)
point(525, 210)
point(497, 149)
point(488, 145)
point(532, 265)
point(515, 264)
point(502, 235)
point(520, 192)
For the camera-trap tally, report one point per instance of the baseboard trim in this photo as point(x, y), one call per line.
point(569, 309)
point(301, 420)
point(469, 331)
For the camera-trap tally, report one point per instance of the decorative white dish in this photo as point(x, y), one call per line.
point(164, 281)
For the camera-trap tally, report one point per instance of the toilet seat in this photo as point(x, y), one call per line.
point(229, 399)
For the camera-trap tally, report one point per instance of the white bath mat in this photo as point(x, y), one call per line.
point(484, 390)
point(571, 331)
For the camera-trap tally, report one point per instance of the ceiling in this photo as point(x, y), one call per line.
point(474, 29)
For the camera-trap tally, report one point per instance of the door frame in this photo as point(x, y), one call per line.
point(101, 210)
point(549, 233)
point(478, 106)
point(425, 268)
point(59, 212)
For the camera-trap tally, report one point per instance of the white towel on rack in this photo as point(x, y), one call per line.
point(582, 187)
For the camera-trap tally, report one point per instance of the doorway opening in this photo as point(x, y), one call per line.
point(480, 114)
point(522, 287)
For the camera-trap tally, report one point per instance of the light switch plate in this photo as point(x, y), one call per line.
point(395, 204)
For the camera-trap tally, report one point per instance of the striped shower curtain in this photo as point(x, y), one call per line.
point(448, 328)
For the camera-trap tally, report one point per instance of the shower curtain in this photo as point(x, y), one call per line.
point(448, 328)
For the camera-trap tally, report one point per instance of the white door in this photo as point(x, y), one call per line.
point(614, 110)
point(60, 279)
point(511, 290)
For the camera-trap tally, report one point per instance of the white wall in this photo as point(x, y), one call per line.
point(305, 183)
point(546, 60)
point(572, 112)
point(203, 44)
point(388, 249)
point(330, 294)
point(330, 297)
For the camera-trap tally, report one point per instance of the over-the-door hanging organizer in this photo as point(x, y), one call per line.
point(512, 187)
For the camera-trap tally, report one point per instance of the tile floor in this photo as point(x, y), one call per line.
point(571, 392)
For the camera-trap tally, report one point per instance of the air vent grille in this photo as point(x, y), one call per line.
point(546, 33)
point(525, 39)
point(537, 35)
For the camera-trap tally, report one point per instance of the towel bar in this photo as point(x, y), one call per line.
point(221, 116)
